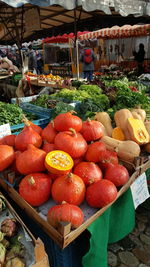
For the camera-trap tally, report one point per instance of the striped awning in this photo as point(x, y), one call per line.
point(118, 32)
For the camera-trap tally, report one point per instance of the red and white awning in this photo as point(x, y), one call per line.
point(118, 32)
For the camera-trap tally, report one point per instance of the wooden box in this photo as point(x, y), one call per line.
point(41, 258)
point(64, 235)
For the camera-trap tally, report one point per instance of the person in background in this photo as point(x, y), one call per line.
point(39, 62)
point(88, 57)
point(32, 59)
point(5, 63)
point(139, 57)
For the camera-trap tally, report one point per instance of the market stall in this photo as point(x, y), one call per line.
point(34, 172)
point(116, 45)
point(115, 218)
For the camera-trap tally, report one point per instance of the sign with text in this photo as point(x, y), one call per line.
point(139, 190)
point(32, 19)
point(5, 130)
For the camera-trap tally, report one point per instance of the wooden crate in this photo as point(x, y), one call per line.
point(41, 258)
point(64, 235)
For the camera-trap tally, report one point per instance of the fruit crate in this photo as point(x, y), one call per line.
point(64, 235)
point(35, 251)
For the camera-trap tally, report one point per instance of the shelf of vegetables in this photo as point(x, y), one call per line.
point(13, 114)
point(18, 247)
point(77, 163)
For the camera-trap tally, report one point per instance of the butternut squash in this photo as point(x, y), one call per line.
point(139, 113)
point(147, 125)
point(104, 118)
point(147, 147)
point(137, 131)
point(126, 150)
point(136, 115)
point(118, 134)
point(121, 117)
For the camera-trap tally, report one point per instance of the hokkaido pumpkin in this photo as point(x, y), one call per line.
point(9, 140)
point(94, 151)
point(13, 167)
point(107, 158)
point(7, 156)
point(77, 161)
point(126, 150)
point(26, 137)
point(118, 134)
point(31, 161)
point(89, 172)
point(47, 147)
point(71, 142)
point(49, 133)
point(65, 212)
point(35, 188)
point(35, 127)
point(92, 130)
point(69, 188)
point(117, 174)
point(138, 131)
point(101, 193)
point(65, 121)
point(121, 117)
point(58, 162)
point(104, 118)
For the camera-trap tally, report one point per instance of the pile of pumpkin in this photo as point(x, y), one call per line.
point(69, 160)
point(131, 134)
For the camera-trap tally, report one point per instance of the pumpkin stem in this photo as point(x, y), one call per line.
point(88, 120)
point(72, 112)
point(73, 131)
point(52, 122)
point(25, 120)
point(63, 202)
point(31, 181)
point(69, 177)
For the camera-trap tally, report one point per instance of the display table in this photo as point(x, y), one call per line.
point(113, 225)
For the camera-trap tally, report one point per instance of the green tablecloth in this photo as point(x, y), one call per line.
point(113, 225)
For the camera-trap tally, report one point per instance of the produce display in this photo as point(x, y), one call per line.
point(50, 78)
point(12, 114)
point(80, 156)
point(14, 247)
point(106, 95)
point(75, 161)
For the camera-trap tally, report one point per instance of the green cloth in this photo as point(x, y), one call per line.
point(113, 225)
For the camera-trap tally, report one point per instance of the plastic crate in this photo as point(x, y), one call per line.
point(42, 120)
point(40, 110)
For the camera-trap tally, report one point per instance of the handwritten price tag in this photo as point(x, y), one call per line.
point(5, 130)
point(139, 190)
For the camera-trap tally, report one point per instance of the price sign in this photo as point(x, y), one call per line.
point(139, 190)
point(5, 130)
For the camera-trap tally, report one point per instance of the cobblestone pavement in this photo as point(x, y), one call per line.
point(133, 250)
